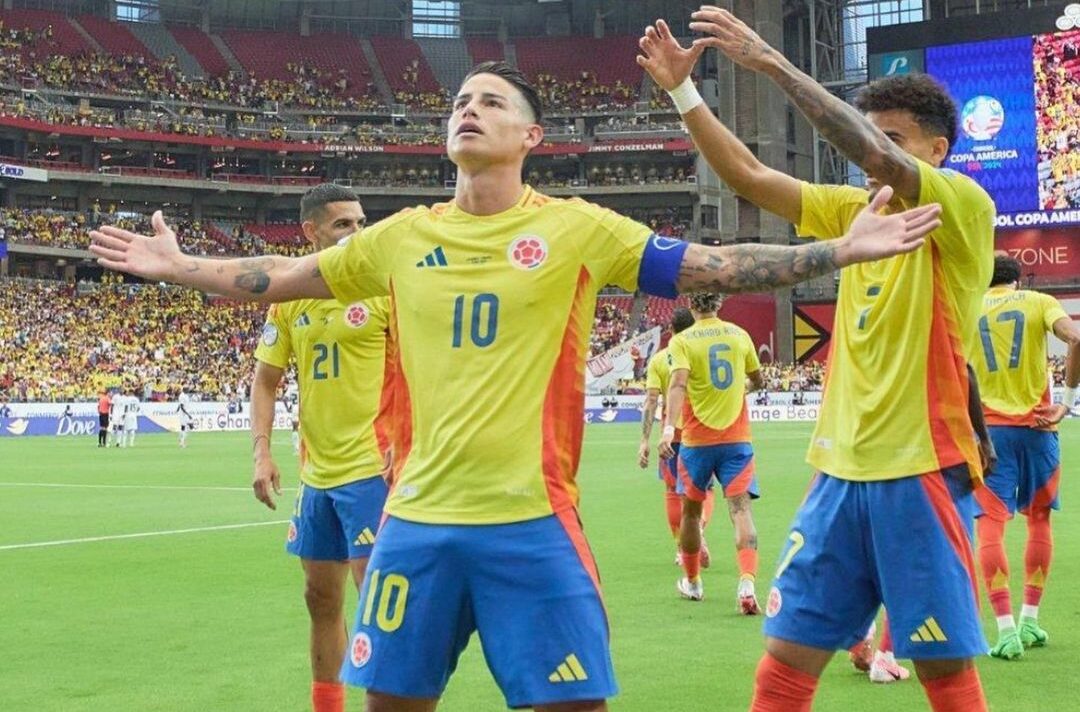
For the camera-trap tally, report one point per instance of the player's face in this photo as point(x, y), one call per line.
point(900, 126)
point(491, 124)
point(335, 221)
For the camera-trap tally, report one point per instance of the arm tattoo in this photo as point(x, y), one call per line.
point(739, 504)
point(315, 273)
point(254, 277)
point(755, 268)
point(192, 266)
point(844, 127)
point(648, 414)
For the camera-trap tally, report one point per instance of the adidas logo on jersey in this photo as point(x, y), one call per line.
point(929, 632)
point(302, 320)
point(435, 258)
point(569, 670)
point(366, 538)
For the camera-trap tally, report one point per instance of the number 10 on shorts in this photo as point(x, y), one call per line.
point(392, 595)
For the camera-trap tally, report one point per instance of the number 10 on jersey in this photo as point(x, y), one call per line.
point(483, 316)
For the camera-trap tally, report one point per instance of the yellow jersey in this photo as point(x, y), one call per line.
point(340, 352)
point(896, 385)
point(658, 376)
point(493, 315)
point(718, 356)
point(1011, 363)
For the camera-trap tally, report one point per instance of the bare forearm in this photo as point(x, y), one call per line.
point(648, 415)
point(975, 411)
point(757, 268)
point(675, 398)
point(1072, 366)
point(845, 128)
point(263, 390)
point(259, 279)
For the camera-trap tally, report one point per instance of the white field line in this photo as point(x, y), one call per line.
point(149, 487)
point(138, 535)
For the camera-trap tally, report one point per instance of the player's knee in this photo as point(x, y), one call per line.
point(324, 601)
point(1039, 514)
point(379, 702)
point(577, 706)
point(935, 669)
point(746, 539)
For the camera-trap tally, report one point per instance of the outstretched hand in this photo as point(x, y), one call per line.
point(874, 236)
point(666, 61)
point(731, 36)
point(152, 257)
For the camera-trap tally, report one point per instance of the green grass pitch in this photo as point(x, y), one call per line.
point(214, 620)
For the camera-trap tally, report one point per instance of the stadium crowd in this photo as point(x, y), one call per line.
point(1057, 99)
point(149, 339)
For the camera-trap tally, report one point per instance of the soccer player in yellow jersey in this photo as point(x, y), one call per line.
point(888, 517)
point(339, 350)
point(657, 377)
point(494, 295)
point(1015, 384)
point(710, 365)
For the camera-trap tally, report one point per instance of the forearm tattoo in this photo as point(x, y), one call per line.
point(756, 268)
point(254, 276)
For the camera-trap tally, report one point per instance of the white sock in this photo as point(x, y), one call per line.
point(1006, 623)
point(1031, 612)
point(296, 440)
point(183, 437)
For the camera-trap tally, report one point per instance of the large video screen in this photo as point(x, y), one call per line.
point(1019, 136)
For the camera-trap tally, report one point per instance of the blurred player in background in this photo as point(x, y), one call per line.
point(1016, 395)
point(340, 354)
point(894, 445)
point(131, 417)
point(104, 406)
point(658, 375)
point(495, 293)
point(711, 363)
point(187, 422)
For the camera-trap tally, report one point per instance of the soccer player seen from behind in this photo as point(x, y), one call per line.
point(710, 364)
point(894, 446)
point(187, 421)
point(340, 352)
point(657, 378)
point(495, 293)
point(1015, 384)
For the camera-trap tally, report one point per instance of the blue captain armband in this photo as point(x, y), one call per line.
point(660, 263)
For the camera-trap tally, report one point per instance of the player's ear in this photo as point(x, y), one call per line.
point(940, 147)
point(308, 227)
point(534, 136)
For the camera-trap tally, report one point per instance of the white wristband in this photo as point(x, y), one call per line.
point(1070, 397)
point(685, 96)
point(669, 431)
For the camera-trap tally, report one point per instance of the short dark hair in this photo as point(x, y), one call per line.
point(705, 302)
point(1006, 270)
point(921, 94)
point(516, 77)
point(315, 198)
point(681, 320)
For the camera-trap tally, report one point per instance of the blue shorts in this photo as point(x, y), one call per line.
point(669, 471)
point(730, 464)
point(338, 523)
point(905, 543)
point(1026, 475)
point(529, 588)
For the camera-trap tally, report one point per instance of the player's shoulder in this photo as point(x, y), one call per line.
point(834, 194)
point(964, 188)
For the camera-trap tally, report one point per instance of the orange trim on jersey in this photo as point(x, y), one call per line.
point(991, 505)
point(690, 490)
point(402, 402)
point(1022, 420)
point(740, 484)
point(564, 407)
point(937, 491)
point(384, 423)
point(570, 522)
point(947, 386)
point(698, 434)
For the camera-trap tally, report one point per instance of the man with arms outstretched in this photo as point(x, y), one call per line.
point(894, 446)
point(489, 404)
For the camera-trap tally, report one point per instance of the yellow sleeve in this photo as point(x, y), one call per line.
point(358, 267)
point(967, 214)
point(652, 373)
point(1052, 311)
point(752, 361)
point(611, 244)
point(828, 210)
point(677, 355)
point(275, 344)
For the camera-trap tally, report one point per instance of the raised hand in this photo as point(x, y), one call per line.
point(731, 36)
point(666, 61)
point(874, 236)
point(153, 257)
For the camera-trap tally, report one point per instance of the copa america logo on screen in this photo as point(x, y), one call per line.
point(1070, 18)
point(982, 117)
